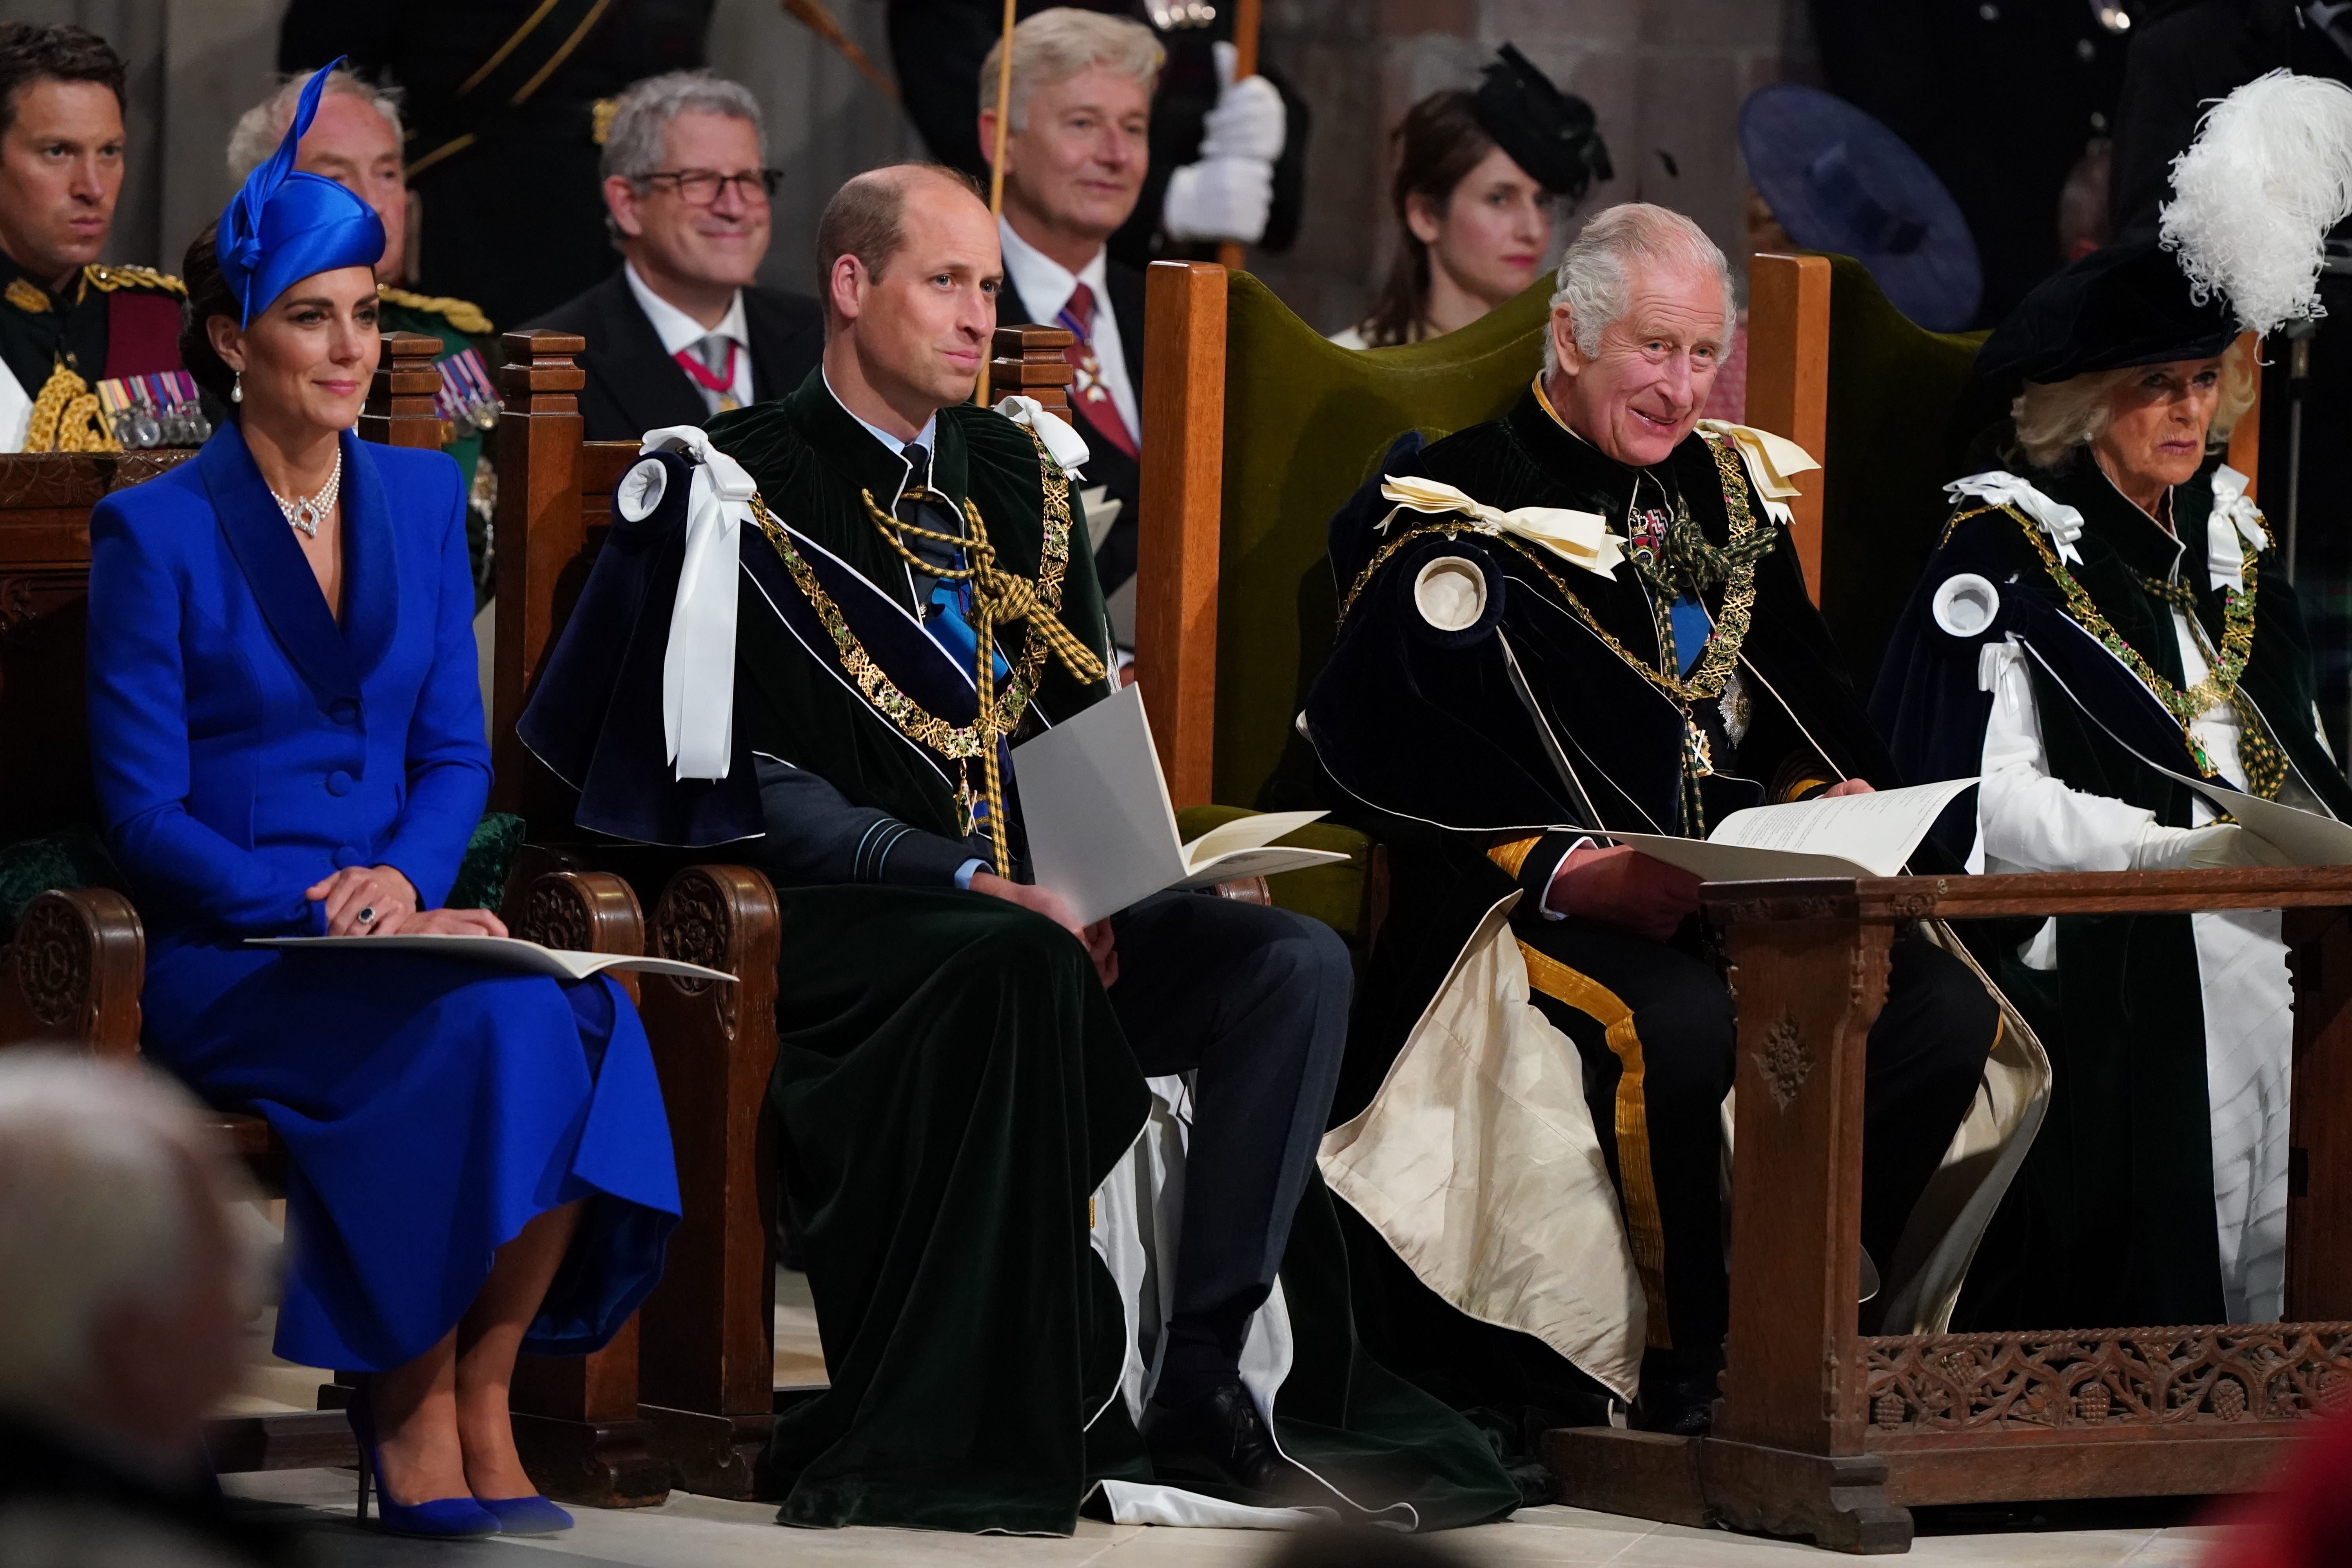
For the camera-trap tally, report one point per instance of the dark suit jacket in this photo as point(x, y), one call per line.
point(633, 386)
point(1113, 469)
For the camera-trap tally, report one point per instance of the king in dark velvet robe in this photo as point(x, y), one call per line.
point(955, 1083)
point(1483, 735)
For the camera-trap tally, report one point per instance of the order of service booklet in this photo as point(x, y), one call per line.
point(500, 952)
point(1853, 835)
point(2305, 837)
point(1102, 833)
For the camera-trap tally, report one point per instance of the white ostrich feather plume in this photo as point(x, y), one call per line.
point(2253, 197)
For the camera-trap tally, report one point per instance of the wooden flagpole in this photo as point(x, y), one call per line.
point(811, 15)
point(996, 163)
point(1245, 18)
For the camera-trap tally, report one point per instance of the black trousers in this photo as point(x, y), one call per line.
point(1654, 1025)
point(1253, 1001)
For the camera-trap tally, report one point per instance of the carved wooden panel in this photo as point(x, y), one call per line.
point(1948, 1383)
point(77, 480)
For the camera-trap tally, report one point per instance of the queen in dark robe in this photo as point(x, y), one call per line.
point(2106, 614)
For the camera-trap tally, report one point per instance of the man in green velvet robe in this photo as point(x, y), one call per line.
point(963, 1063)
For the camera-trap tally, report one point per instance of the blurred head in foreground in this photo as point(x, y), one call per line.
point(123, 1283)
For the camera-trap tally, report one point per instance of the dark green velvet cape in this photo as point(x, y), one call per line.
point(813, 464)
point(2111, 1219)
point(952, 1085)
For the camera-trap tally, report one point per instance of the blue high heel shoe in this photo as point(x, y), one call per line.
point(448, 1518)
point(533, 1515)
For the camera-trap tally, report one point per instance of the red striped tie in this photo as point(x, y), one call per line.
point(1090, 398)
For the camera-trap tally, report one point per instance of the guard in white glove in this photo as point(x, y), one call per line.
point(1229, 193)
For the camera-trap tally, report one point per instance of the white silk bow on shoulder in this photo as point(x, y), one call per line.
point(1998, 487)
point(698, 665)
point(1579, 538)
point(1771, 461)
point(1062, 443)
point(2235, 518)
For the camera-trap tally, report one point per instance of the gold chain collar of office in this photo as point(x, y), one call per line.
point(998, 597)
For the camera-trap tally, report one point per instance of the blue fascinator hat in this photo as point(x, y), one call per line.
point(1839, 180)
point(283, 225)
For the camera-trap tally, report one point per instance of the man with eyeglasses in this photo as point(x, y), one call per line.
point(681, 332)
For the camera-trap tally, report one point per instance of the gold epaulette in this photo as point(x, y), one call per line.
point(462, 314)
point(107, 280)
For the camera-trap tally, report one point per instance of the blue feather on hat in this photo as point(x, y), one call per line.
point(284, 225)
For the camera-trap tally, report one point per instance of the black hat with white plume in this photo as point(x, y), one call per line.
point(2238, 249)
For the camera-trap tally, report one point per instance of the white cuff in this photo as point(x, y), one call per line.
point(1544, 907)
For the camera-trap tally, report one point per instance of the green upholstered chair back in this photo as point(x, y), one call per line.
point(1892, 389)
point(1305, 423)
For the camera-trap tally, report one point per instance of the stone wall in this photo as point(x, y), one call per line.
point(1666, 78)
point(1665, 75)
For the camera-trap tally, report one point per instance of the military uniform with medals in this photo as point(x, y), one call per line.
point(468, 402)
point(1487, 703)
point(107, 323)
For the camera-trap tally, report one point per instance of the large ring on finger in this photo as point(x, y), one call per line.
point(367, 915)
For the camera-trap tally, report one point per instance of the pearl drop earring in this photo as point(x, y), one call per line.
point(236, 388)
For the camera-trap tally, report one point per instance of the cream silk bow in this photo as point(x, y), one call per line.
point(2235, 517)
point(1998, 487)
point(698, 665)
point(1063, 444)
point(1579, 538)
point(1771, 461)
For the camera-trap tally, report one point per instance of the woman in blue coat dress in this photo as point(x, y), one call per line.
point(288, 741)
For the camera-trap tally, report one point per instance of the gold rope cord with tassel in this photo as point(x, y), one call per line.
point(997, 595)
point(66, 417)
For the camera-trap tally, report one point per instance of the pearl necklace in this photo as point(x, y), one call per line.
point(308, 514)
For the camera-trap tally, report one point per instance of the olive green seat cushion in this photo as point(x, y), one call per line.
point(1893, 388)
point(1305, 423)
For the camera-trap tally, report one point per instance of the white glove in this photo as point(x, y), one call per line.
point(2213, 848)
point(1248, 120)
point(1219, 198)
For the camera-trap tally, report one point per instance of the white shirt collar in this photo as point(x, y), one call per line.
point(677, 330)
point(928, 438)
point(1044, 283)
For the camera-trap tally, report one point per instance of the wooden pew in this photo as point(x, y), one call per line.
point(1824, 1433)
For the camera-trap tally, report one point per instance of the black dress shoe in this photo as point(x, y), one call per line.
point(1679, 1402)
point(1217, 1436)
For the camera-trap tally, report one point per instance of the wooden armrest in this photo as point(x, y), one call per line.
point(72, 976)
point(709, 1341)
point(1886, 899)
point(586, 912)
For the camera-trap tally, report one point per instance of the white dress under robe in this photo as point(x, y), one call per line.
point(2028, 820)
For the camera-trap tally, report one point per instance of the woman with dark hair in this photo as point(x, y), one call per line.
point(1478, 173)
point(287, 735)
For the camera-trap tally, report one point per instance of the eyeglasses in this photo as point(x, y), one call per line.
point(700, 187)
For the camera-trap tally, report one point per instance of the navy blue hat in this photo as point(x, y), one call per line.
point(282, 226)
point(1839, 180)
point(2128, 304)
point(1553, 135)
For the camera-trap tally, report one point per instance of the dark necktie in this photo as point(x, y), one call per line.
point(1090, 397)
